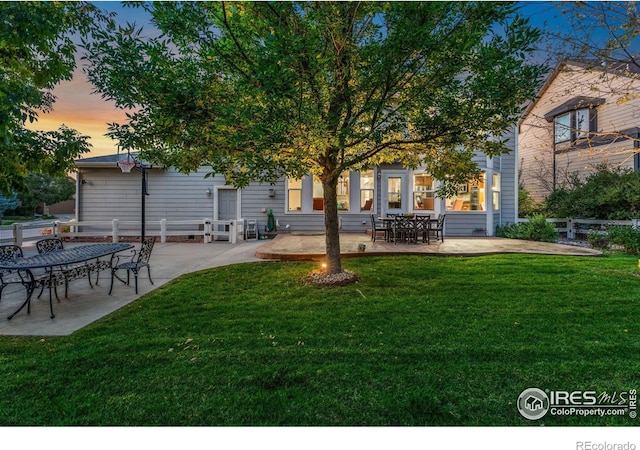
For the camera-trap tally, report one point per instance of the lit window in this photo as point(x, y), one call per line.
point(343, 193)
point(423, 194)
point(495, 189)
point(294, 194)
point(366, 190)
point(470, 197)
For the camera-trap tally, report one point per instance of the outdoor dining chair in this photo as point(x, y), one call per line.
point(70, 271)
point(438, 228)
point(139, 259)
point(423, 227)
point(376, 228)
point(7, 277)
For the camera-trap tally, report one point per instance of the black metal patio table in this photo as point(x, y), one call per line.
point(61, 258)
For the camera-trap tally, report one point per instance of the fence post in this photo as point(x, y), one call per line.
point(233, 238)
point(207, 231)
point(635, 223)
point(17, 234)
point(163, 231)
point(55, 228)
point(115, 232)
point(570, 231)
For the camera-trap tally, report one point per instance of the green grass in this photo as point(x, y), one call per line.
point(418, 341)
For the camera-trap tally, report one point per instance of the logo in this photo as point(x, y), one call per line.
point(533, 403)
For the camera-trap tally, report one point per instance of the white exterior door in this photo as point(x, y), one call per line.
point(227, 208)
point(395, 192)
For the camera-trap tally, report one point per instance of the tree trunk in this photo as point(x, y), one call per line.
point(331, 224)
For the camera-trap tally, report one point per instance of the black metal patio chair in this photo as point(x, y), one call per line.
point(7, 277)
point(139, 259)
point(70, 271)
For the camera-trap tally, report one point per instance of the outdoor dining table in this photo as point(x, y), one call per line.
point(52, 260)
point(390, 222)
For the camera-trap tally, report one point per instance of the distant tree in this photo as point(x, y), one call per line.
point(258, 90)
point(605, 36)
point(44, 189)
point(7, 204)
point(36, 53)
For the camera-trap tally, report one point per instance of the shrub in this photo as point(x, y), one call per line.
point(536, 229)
point(598, 239)
point(526, 204)
point(607, 194)
point(626, 237)
point(512, 231)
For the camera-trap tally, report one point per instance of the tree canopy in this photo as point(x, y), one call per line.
point(36, 53)
point(258, 90)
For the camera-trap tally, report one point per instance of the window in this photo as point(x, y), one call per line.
point(294, 194)
point(574, 125)
point(394, 193)
point(343, 193)
point(423, 192)
point(495, 190)
point(318, 195)
point(563, 128)
point(366, 190)
point(471, 198)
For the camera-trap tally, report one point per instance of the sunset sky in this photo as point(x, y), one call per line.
point(77, 108)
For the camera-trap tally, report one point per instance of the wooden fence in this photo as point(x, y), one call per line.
point(210, 230)
point(579, 228)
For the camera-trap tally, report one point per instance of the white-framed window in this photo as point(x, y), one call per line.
point(367, 183)
point(495, 191)
point(343, 193)
point(469, 198)
point(294, 194)
point(423, 192)
point(355, 193)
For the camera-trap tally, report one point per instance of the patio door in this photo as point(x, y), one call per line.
point(394, 192)
point(227, 207)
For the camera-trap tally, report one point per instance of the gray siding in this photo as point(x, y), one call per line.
point(463, 223)
point(509, 190)
point(108, 194)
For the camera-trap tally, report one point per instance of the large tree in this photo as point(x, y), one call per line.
point(36, 53)
point(266, 89)
point(44, 189)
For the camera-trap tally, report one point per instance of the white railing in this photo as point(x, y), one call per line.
point(575, 228)
point(210, 230)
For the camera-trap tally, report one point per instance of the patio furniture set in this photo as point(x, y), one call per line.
point(55, 266)
point(408, 228)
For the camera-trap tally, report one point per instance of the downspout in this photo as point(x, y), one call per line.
point(516, 176)
point(488, 195)
point(78, 184)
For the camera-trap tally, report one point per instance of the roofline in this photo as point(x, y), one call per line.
point(590, 65)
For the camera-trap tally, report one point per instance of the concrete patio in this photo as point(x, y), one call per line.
point(85, 305)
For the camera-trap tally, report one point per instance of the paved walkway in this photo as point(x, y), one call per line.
point(168, 261)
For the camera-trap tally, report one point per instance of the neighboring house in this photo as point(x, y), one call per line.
point(583, 117)
point(105, 193)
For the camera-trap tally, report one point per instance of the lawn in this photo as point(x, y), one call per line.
point(418, 341)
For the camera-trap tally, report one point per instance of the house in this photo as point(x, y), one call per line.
point(104, 192)
point(584, 116)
